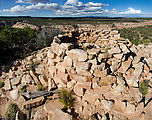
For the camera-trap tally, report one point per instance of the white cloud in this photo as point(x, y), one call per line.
point(38, 6)
point(70, 8)
point(19, 1)
point(73, 2)
point(31, 1)
point(131, 11)
point(74, 7)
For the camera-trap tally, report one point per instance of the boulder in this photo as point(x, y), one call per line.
point(51, 105)
point(51, 84)
point(40, 114)
point(67, 46)
point(11, 74)
point(130, 109)
point(33, 102)
point(136, 94)
point(68, 61)
point(149, 62)
point(80, 78)
point(40, 69)
point(107, 104)
point(14, 94)
point(83, 72)
point(60, 66)
point(60, 115)
point(26, 79)
point(114, 50)
point(93, 51)
point(32, 74)
point(98, 73)
point(51, 62)
point(126, 64)
point(43, 80)
point(136, 75)
point(70, 84)
point(59, 82)
point(90, 96)
point(77, 55)
point(124, 48)
point(15, 81)
point(57, 49)
point(107, 80)
point(118, 56)
point(102, 56)
point(63, 76)
point(7, 85)
point(82, 65)
point(50, 54)
point(79, 88)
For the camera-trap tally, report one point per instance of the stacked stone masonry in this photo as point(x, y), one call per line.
point(103, 70)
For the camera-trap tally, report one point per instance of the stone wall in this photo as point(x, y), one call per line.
point(102, 69)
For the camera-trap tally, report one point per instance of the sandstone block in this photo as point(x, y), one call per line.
point(60, 115)
point(79, 88)
point(7, 85)
point(43, 80)
point(107, 80)
point(80, 78)
point(14, 94)
point(57, 49)
point(82, 65)
point(15, 81)
point(83, 72)
point(63, 76)
point(102, 56)
point(40, 115)
point(78, 55)
point(98, 73)
point(33, 102)
point(124, 48)
point(68, 61)
point(149, 62)
point(50, 54)
point(26, 79)
point(59, 82)
point(93, 51)
point(51, 106)
point(107, 104)
point(115, 50)
point(51, 84)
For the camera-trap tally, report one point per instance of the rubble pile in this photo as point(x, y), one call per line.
point(102, 69)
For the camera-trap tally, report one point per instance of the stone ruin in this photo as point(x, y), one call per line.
point(102, 69)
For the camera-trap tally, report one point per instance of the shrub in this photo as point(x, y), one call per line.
point(22, 89)
point(143, 87)
point(6, 68)
point(11, 113)
point(15, 43)
point(66, 97)
point(1, 84)
point(39, 87)
point(107, 48)
point(45, 37)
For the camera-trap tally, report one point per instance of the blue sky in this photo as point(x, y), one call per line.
point(50, 8)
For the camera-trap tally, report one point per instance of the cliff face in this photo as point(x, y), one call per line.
point(102, 69)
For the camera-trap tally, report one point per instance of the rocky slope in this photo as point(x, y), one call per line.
point(102, 69)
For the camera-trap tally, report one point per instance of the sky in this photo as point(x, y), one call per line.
point(76, 8)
